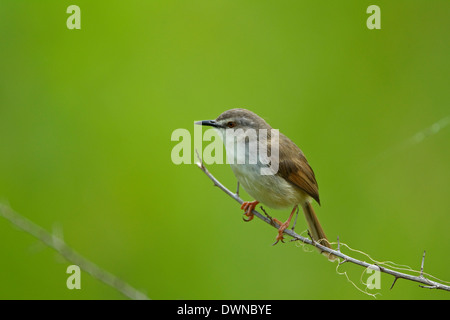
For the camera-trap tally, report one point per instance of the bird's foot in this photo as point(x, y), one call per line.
point(283, 226)
point(248, 207)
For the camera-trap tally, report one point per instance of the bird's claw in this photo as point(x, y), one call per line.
point(248, 207)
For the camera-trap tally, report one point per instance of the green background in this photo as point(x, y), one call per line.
point(86, 118)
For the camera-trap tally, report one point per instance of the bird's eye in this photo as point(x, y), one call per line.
point(231, 124)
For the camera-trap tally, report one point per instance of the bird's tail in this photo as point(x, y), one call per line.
point(316, 230)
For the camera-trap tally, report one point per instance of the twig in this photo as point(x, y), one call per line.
point(421, 266)
point(56, 243)
point(393, 283)
point(345, 258)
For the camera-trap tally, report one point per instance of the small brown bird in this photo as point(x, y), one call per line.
point(292, 183)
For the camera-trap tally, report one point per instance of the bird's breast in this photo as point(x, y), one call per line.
point(271, 190)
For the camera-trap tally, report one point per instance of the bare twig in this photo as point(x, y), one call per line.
point(430, 284)
point(421, 266)
point(393, 283)
point(55, 242)
point(413, 140)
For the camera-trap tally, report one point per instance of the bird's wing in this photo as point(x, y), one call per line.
point(295, 169)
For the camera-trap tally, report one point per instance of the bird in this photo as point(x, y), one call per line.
point(291, 185)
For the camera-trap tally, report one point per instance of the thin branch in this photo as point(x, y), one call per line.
point(421, 266)
point(57, 243)
point(430, 284)
point(418, 137)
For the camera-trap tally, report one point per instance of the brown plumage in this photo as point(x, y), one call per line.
point(295, 168)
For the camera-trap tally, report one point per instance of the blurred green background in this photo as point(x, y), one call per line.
point(86, 118)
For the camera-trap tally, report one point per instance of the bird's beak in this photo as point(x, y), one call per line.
point(211, 123)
